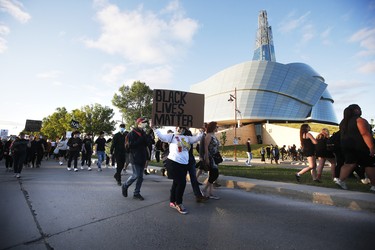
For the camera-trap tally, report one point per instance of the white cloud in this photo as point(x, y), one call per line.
point(366, 39)
point(308, 33)
point(291, 22)
point(53, 74)
point(3, 45)
point(113, 74)
point(325, 36)
point(158, 77)
point(367, 68)
point(143, 36)
point(15, 9)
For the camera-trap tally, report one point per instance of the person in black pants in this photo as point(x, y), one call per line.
point(75, 145)
point(19, 148)
point(119, 152)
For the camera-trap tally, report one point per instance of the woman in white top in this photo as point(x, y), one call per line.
point(177, 163)
point(62, 145)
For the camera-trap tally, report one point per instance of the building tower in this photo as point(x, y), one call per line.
point(264, 49)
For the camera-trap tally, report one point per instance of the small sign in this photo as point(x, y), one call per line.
point(74, 124)
point(177, 108)
point(33, 125)
point(4, 133)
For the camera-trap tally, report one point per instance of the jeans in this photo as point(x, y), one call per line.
point(137, 175)
point(249, 157)
point(193, 179)
point(101, 158)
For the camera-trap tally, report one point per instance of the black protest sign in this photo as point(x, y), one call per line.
point(74, 124)
point(33, 125)
point(177, 108)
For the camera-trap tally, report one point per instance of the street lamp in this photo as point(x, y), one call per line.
point(235, 141)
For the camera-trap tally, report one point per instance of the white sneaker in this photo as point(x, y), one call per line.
point(372, 189)
point(89, 169)
point(75, 169)
point(60, 163)
point(69, 169)
point(18, 176)
point(335, 180)
point(366, 181)
point(342, 184)
point(82, 168)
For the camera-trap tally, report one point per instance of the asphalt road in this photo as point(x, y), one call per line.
point(52, 208)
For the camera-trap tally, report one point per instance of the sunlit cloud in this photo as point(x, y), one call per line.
point(53, 74)
point(15, 9)
point(366, 39)
point(291, 22)
point(113, 74)
point(142, 36)
point(367, 68)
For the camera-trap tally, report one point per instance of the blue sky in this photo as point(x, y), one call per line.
point(74, 53)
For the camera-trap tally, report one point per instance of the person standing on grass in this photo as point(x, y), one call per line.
point(357, 144)
point(248, 152)
point(308, 144)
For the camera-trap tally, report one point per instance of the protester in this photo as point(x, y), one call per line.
point(19, 147)
point(87, 149)
point(137, 143)
point(323, 154)
point(211, 147)
point(62, 145)
point(75, 145)
point(357, 144)
point(100, 150)
point(178, 163)
point(262, 154)
point(8, 153)
point(119, 152)
point(307, 142)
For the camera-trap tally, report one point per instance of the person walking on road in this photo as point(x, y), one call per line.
point(119, 152)
point(177, 164)
point(86, 152)
point(19, 148)
point(137, 143)
point(100, 150)
point(75, 145)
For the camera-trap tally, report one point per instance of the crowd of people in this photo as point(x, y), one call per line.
point(350, 149)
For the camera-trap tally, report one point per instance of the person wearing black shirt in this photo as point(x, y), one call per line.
point(119, 152)
point(75, 145)
point(100, 149)
point(86, 152)
point(19, 154)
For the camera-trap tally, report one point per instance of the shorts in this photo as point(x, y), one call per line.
point(361, 158)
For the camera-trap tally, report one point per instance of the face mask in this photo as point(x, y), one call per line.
point(143, 125)
point(122, 130)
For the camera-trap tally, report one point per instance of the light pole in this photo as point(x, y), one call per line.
point(235, 141)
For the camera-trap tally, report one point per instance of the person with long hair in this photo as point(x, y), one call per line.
point(308, 145)
point(211, 147)
point(323, 154)
point(357, 145)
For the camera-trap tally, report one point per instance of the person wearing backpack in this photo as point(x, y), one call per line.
point(137, 142)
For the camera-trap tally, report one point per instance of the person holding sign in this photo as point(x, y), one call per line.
point(178, 163)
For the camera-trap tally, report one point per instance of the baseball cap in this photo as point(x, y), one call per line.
point(141, 120)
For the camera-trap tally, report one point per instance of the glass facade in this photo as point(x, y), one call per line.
point(267, 90)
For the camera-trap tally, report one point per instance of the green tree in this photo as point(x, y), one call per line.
point(57, 124)
point(97, 118)
point(134, 102)
point(223, 139)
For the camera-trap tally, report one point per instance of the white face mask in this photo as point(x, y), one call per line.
point(122, 130)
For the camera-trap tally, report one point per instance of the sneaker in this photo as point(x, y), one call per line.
point(99, 169)
point(69, 169)
point(342, 184)
point(172, 205)
point(201, 198)
point(146, 172)
point(75, 169)
point(60, 163)
point(366, 181)
point(318, 181)
point(89, 169)
point(298, 178)
point(124, 190)
point(335, 180)
point(181, 209)
point(372, 189)
point(18, 176)
point(82, 168)
point(214, 197)
point(138, 197)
